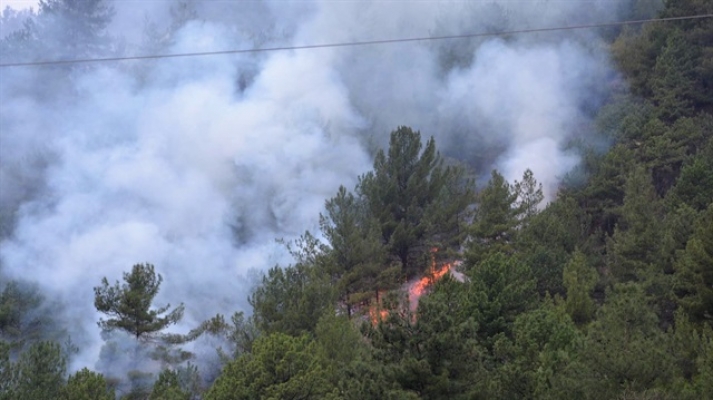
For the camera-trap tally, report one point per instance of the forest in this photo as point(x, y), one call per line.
point(425, 274)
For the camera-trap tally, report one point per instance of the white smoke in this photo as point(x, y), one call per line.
point(532, 95)
point(197, 164)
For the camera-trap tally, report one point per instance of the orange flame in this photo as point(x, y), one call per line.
point(415, 289)
point(377, 314)
point(418, 288)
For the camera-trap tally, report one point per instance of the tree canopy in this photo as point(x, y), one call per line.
point(409, 193)
point(129, 305)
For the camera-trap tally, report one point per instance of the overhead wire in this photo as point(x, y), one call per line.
point(350, 44)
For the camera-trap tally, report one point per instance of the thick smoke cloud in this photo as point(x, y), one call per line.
point(197, 164)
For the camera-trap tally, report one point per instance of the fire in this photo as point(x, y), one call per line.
point(435, 273)
point(377, 314)
point(418, 288)
point(415, 289)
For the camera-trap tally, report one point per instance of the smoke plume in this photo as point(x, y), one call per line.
point(197, 164)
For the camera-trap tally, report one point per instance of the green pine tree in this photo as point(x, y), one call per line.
point(579, 279)
point(86, 385)
point(694, 271)
point(495, 221)
point(408, 187)
point(359, 263)
point(129, 305)
point(279, 367)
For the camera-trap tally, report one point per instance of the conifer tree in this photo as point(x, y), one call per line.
point(38, 373)
point(495, 222)
point(357, 254)
point(673, 82)
point(544, 343)
point(409, 184)
point(129, 307)
point(630, 249)
point(279, 367)
point(547, 241)
point(24, 316)
point(86, 385)
point(529, 195)
point(291, 299)
point(504, 288)
point(435, 352)
point(168, 387)
point(625, 348)
point(694, 271)
point(579, 279)
point(76, 28)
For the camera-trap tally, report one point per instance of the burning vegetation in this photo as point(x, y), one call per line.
point(415, 289)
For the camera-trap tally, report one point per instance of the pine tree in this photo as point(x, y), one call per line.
point(434, 353)
point(359, 259)
point(279, 367)
point(695, 183)
point(86, 385)
point(292, 299)
point(129, 304)
point(75, 28)
point(547, 241)
point(672, 82)
point(630, 249)
point(625, 348)
point(168, 387)
point(579, 279)
point(503, 288)
point(24, 316)
point(529, 196)
point(495, 222)
point(694, 271)
point(544, 343)
point(409, 184)
point(37, 374)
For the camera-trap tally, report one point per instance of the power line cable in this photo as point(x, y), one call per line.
point(349, 44)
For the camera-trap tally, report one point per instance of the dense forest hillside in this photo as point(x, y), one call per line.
point(431, 271)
